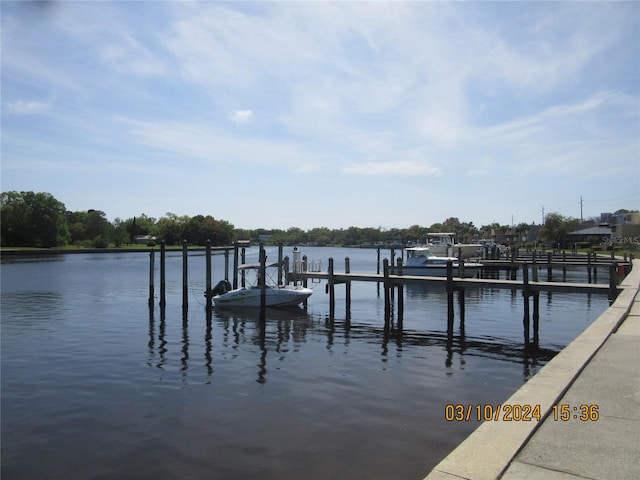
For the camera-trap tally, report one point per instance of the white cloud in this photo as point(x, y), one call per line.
point(127, 55)
point(241, 116)
point(399, 168)
point(383, 91)
point(27, 107)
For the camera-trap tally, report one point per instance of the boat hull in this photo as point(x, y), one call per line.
point(470, 270)
point(274, 297)
point(457, 250)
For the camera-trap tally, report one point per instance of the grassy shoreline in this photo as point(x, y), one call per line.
point(17, 251)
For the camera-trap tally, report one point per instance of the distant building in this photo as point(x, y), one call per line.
point(598, 235)
point(143, 239)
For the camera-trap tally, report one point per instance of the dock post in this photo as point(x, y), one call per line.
point(387, 296)
point(300, 266)
point(226, 264)
point(525, 293)
point(378, 271)
point(549, 268)
point(243, 258)
point(536, 320)
point(208, 274)
point(347, 287)
point(185, 277)
point(392, 262)
point(400, 295)
point(235, 265)
point(263, 278)
point(280, 263)
point(152, 255)
point(589, 266)
point(450, 288)
point(305, 282)
point(286, 264)
point(613, 281)
point(461, 305)
point(332, 289)
point(163, 246)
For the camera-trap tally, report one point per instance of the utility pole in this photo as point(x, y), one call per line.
point(542, 215)
point(580, 208)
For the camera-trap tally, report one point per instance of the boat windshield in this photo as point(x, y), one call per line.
point(440, 238)
point(418, 253)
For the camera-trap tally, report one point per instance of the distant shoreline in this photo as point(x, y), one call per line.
point(26, 251)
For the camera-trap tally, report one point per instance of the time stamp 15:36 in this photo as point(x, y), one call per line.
point(519, 413)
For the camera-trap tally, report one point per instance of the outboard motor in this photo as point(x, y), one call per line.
point(223, 286)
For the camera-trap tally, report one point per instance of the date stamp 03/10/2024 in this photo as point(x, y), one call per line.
point(519, 413)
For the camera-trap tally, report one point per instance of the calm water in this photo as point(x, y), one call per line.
point(94, 386)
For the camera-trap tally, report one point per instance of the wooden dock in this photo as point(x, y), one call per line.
point(451, 284)
point(528, 263)
point(395, 280)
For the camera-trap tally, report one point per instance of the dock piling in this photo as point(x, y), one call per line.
point(280, 247)
point(185, 277)
point(526, 321)
point(235, 264)
point(386, 288)
point(208, 274)
point(305, 282)
point(450, 288)
point(400, 295)
point(332, 289)
point(163, 247)
point(536, 321)
point(347, 287)
point(262, 278)
point(152, 254)
point(613, 281)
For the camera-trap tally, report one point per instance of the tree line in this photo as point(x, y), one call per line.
point(40, 220)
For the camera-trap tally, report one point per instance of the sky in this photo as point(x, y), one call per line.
point(324, 114)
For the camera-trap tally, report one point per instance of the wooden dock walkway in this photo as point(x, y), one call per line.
point(391, 279)
point(341, 278)
point(391, 282)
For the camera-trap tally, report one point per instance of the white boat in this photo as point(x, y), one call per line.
point(444, 244)
point(249, 296)
point(421, 261)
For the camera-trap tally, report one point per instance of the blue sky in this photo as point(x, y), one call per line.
point(308, 114)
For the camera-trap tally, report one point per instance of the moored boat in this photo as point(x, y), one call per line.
point(444, 244)
point(250, 295)
point(422, 262)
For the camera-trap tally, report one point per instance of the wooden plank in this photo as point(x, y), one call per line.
point(459, 282)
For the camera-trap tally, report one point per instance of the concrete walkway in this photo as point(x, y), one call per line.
point(601, 367)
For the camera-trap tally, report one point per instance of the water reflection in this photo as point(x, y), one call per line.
point(257, 328)
point(162, 341)
point(282, 331)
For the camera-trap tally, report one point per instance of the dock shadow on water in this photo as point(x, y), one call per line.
point(100, 386)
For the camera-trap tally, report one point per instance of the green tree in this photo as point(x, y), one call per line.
point(556, 227)
point(33, 219)
point(200, 228)
point(320, 235)
point(119, 232)
point(90, 228)
point(170, 227)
